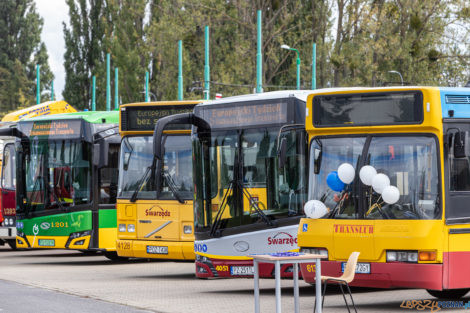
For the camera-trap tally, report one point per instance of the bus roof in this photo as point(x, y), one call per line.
point(161, 103)
point(45, 108)
point(95, 117)
point(300, 94)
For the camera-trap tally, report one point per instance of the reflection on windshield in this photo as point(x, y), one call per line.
point(409, 162)
point(57, 174)
point(177, 168)
point(242, 182)
point(136, 158)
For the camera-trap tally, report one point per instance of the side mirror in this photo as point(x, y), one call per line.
point(282, 150)
point(96, 154)
point(127, 157)
point(461, 145)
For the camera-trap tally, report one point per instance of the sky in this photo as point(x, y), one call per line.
point(54, 12)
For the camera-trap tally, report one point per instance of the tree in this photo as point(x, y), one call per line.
point(21, 50)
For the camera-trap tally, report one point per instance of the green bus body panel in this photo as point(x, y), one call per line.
point(94, 117)
point(57, 225)
point(107, 218)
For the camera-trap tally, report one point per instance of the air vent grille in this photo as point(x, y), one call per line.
point(457, 99)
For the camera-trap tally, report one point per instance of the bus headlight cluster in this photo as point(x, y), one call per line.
point(321, 251)
point(187, 229)
point(126, 227)
point(9, 221)
point(130, 228)
point(19, 225)
point(402, 256)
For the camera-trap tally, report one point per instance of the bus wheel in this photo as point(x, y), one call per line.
point(448, 293)
point(12, 243)
point(113, 256)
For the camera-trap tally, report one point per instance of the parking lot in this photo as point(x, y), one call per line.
point(158, 286)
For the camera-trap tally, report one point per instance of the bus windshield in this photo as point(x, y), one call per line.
point(176, 175)
point(242, 182)
point(57, 174)
point(410, 162)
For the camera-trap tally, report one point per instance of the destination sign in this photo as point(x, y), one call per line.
point(60, 129)
point(243, 115)
point(144, 118)
point(365, 109)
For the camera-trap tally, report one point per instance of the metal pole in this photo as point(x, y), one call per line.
point(277, 275)
point(180, 70)
point(146, 86)
point(298, 70)
point(314, 69)
point(206, 66)
point(116, 88)
point(108, 82)
point(93, 93)
point(38, 84)
point(52, 90)
point(259, 57)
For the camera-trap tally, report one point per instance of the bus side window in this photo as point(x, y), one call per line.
point(459, 174)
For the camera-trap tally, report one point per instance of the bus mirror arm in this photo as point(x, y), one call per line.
point(182, 118)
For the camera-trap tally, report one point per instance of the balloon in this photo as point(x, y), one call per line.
point(315, 209)
point(346, 173)
point(366, 174)
point(390, 194)
point(334, 182)
point(379, 182)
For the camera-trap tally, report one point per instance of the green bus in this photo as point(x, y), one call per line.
point(67, 175)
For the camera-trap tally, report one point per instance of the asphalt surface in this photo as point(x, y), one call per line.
point(70, 281)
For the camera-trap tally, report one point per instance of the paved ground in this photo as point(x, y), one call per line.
point(75, 281)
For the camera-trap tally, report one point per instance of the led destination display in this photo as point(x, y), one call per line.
point(141, 118)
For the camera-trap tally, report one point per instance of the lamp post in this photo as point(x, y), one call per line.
point(298, 63)
point(396, 72)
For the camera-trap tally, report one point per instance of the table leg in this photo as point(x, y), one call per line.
point(255, 266)
point(278, 286)
point(318, 309)
point(296, 288)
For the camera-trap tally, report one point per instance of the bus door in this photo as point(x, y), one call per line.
point(8, 202)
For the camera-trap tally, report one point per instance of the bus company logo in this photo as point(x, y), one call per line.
point(354, 229)
point(45, 225)
point(159, 211)
point(282, 238)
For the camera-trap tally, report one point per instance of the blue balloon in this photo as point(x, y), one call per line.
point(334, 182)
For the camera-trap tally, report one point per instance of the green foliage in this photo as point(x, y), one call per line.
point(21, 50)
point(358, 42)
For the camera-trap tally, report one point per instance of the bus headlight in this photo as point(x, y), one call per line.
point(122, 228)
point(321, 251)
point(187, 229)
point(402, 256)
point(131, 228)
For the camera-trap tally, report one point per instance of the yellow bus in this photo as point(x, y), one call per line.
point(155, 200)
point(389, 176)
point(45, 108)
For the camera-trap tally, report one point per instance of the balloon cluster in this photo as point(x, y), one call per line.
point(337, 181)
point(380, 183)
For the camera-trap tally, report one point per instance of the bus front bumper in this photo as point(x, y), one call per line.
point(7, 232)
point(207, 267)
point(176, 250)
point(384, 275)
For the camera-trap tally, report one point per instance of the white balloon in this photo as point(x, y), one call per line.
point(346, 173)
point(366, 174)
point(315, 209)
point(390, 194)
point(379, 182)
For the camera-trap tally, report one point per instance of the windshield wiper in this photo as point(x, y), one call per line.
point(172, 186)
point(143, 181)
point(219, 214)
point(260, 212)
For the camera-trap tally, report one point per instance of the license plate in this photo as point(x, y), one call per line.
point(361, 268)
point(157, 250)
point(242, 270)
point(46, 242)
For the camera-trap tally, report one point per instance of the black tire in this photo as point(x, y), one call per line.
point(12, 243)
point(113, 256)
point(453, 294)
